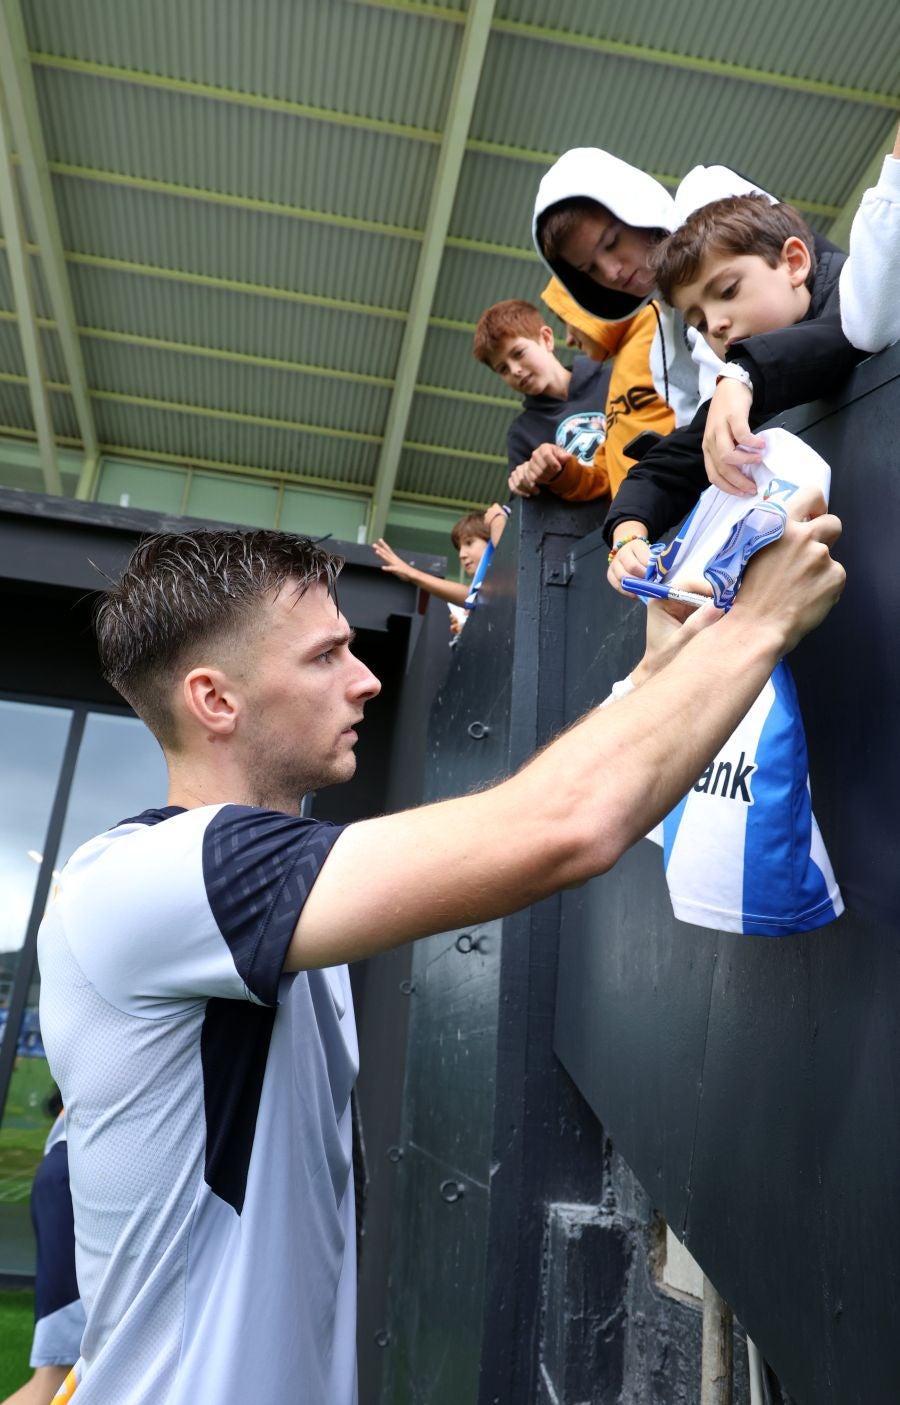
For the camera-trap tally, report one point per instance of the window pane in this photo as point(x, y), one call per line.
point(119, 772)
point(32, 742)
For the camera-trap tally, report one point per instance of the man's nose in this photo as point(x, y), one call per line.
point(365, 685)
point(570, 337)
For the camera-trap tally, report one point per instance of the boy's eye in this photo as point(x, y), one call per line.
point(729, 292)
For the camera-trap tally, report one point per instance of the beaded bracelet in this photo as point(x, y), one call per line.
point(617, 547)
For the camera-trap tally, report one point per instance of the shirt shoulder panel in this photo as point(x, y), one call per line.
point(259, 867)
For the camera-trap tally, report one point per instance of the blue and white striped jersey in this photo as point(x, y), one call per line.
point(743, 852)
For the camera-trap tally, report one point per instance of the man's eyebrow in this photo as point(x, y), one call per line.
point(332, 641)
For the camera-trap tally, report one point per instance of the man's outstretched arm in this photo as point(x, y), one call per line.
point(575, 808)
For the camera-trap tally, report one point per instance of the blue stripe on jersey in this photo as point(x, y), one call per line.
point(670, 828)
point(779, 874)
point(259, 867)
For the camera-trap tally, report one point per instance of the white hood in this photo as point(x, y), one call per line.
point(704, 184)
point(631, 195)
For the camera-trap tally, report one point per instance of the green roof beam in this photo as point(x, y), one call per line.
point(19, 272)
point(443, 195)
point(17, 82)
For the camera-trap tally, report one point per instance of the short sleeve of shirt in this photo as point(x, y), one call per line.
point(259, 867)
point(178, 906)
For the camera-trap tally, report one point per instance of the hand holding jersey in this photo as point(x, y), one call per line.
point(704, 681)
point(742, 848)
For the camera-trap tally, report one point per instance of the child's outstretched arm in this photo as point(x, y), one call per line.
point(870, 279)
point(453, 591)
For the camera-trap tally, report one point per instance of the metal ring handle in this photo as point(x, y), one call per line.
point(451, 1191)
point(395, 1153)
point(465, 943)
point(478, 731)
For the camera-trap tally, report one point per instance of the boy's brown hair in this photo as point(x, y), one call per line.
point(739, 224)
point(472, 524)
point(512, 318)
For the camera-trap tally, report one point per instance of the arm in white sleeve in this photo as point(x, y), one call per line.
point(870, 279)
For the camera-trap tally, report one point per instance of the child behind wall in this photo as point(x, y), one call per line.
point(743, 272)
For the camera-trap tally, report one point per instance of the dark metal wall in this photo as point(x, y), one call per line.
point(520, 1266)
point(748, 1082)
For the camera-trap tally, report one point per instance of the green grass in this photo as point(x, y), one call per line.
point(16, 1328)
point(25, 1128)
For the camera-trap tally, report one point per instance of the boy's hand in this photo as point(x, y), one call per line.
point(631, 559)
point(495, 519)
point(727, 426)
point(392, 562)
point(545, 464)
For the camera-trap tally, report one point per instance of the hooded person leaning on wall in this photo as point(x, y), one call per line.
point(605, 293)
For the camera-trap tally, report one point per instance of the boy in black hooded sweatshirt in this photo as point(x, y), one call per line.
point(745, 274)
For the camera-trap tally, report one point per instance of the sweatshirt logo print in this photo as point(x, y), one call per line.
point(582, 435)
point(728, 781)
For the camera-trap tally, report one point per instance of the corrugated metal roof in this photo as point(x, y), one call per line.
point(219, 318)
point(825, 42)
point(388, 66)
point(244, 192)
point(271, 156)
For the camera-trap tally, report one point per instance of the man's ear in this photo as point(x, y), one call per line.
point(210, 702)
point(796, 256)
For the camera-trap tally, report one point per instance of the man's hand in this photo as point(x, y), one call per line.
point(545, 464)
point(671, 625)
point(392, 562)
point(727, 426)
point(631, 559)
point(794, 582)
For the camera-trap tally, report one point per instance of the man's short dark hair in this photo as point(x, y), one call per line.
point(184, 590)
point(739, 224)
point(471, 525)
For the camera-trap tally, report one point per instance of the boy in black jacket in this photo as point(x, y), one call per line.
point(562, 410)
point(744, 272)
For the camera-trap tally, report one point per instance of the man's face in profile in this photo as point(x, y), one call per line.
point(303, 694)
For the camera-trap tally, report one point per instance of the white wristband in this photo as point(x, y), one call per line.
point(733, 372)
